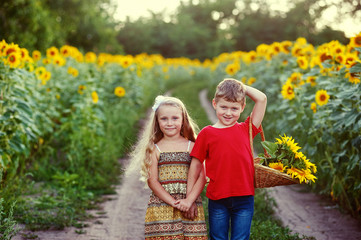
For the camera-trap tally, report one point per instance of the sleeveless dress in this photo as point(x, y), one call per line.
point(162, 221)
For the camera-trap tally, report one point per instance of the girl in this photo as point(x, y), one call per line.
point(164, 151)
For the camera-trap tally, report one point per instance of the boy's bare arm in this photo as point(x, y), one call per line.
point(259, 109)
point(195, 184)
point(195, 169)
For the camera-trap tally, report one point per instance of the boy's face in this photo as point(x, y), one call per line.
point(227, 112)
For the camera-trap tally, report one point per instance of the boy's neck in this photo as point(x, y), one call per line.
point(219, 125)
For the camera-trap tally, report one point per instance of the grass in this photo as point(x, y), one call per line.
point(264, 224)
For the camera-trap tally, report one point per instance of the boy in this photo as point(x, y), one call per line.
point(225, 147)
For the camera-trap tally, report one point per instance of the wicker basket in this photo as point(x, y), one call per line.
point(265, 177)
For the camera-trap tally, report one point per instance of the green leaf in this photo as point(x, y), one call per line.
point(270, 147)
point(356, 68)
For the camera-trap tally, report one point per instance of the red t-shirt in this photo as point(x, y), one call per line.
point(229, 160)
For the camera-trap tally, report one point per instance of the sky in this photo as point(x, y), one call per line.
point(140, 8)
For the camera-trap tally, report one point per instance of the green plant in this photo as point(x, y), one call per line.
point(8, 225)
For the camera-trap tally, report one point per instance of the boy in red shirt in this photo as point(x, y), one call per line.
point(225, 148)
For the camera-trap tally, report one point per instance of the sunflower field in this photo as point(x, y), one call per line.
point(67, 116)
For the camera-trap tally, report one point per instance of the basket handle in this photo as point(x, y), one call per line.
point(251, 137)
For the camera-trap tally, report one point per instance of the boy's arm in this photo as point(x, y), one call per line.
point(195, 184)
point(155, 185)
point(260, 100)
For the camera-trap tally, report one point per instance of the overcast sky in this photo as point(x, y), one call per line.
point(137, 8)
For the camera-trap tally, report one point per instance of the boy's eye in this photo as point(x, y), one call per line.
point(234, 109)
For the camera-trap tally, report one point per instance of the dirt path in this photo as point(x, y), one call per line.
point(123, 218)
point(311, 215)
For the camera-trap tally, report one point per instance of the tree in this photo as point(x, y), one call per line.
point(39, 24)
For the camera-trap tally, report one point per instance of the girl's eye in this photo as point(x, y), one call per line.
point(234, 109)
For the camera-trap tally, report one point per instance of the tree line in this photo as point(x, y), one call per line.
point(201, 29)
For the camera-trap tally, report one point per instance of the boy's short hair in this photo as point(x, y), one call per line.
point(231, 90)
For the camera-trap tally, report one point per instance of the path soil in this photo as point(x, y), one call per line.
point(123, 219)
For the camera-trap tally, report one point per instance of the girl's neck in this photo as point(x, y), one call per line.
point(172, 138)
point(173, 144)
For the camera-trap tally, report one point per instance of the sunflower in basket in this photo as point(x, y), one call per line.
point(284, 156)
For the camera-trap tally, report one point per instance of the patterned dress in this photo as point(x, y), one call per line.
point(162, 221)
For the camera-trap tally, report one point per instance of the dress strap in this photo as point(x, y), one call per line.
point(189, 144)
point(157, 147)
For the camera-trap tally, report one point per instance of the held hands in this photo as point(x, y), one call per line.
point(189, 209)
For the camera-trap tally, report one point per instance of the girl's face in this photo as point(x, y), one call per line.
point(170, 120)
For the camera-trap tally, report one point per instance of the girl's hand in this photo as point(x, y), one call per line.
point(175, 204)
point(192, 213)
point(184, 205)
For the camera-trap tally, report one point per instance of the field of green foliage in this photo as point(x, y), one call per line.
point(66, 117)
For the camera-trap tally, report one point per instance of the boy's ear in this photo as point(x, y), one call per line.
point(244, 105)
point(214, 104)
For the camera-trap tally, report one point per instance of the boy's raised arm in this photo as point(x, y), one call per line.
point(259, 109)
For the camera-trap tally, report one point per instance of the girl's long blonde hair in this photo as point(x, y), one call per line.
point(152, 134)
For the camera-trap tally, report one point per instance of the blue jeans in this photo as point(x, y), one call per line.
point(237, 209)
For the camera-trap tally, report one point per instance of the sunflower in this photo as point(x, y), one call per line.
point(39, 71)
point(45, 77)
point(3, 45)
point(288, 91)
point(10, 48)
point(286, 46)
point(296, 79)
point(277, 166)
point(119, 91)
point(355, 41)
point(321, 97)
point(353, 77)
point(313, 107)
point(95, 97)
point(350, 59)
point(81, 89)
point(52, 52)
point(324, 56)
point(289, 142)
point(311, 80)
point(59, 60)
point(232, 68)
point(251, 80)
point(90, 57)
point(284, 155)
point(340, 58)
point(66, 51)
point(126, 61)
point(73, 71)
point(302, 62)
point(13, 59)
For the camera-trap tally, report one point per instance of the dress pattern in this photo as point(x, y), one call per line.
point(163, 221)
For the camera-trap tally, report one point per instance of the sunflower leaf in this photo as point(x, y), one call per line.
point(270, 147)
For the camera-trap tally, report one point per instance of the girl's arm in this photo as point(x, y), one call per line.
point(155, 185)
point(260, 100)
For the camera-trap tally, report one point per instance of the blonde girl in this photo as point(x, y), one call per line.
point(163, 150)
